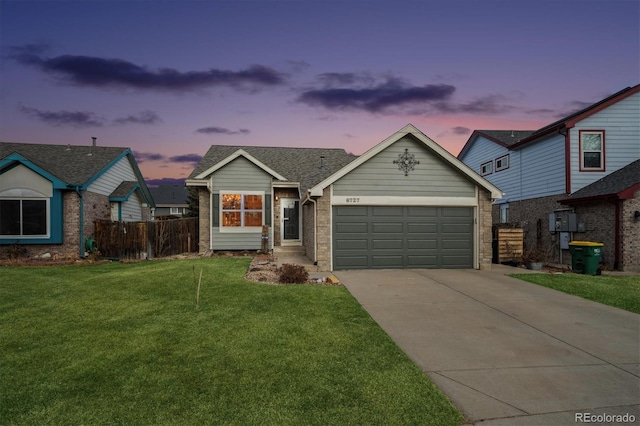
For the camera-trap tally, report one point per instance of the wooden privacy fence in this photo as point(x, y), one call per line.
point(510, 244)
point(140, 240)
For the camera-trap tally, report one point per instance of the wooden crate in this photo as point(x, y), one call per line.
point(510, 244)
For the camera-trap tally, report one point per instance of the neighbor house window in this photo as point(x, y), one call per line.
point(240, 209)
point(502, 163)
point(175, 210)
point(504, 213)
point(592, 150)
point(23, 218)
point(486, 168)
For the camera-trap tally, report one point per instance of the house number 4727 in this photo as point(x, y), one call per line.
point(353, 200)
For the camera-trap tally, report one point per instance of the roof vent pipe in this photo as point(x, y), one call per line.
point(322, 162)
point(93, 138)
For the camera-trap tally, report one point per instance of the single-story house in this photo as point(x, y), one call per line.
point(50, 195)
point(405, 203)
point(171, 200)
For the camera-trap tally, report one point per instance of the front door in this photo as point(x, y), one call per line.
point(290, 214)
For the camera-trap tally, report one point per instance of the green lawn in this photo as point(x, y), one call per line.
point(124, 344)
point(621, 292)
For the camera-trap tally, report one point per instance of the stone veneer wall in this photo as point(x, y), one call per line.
point(308, 237)
point(323, 224)
point(204, 219)
point(486, 236)
point(630, 247)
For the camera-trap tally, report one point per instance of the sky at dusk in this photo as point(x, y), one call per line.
point(170, 78)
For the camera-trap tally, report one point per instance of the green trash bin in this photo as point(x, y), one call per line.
point(585, 256)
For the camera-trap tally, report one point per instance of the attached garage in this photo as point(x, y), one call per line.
point(376, 237)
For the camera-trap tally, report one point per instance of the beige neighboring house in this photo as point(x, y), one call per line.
point(405, 203)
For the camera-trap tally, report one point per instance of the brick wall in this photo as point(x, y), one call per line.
point(204, 219)
point(630, 232)
point(533, 217)
point(600, 222)
point(96, 206)
point(323, 224)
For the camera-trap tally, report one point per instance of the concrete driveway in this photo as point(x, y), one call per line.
point(507, 352)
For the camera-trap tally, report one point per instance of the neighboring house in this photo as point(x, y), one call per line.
point(405, 203)
point(171, 200)
point(537, 169)
point(610, 211)
point(50, 195)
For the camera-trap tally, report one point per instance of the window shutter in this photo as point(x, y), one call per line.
point(267, 209)
point(215, 210)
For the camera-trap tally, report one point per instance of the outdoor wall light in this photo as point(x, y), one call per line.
point(636, 215)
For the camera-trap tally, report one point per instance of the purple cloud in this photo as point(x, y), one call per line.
point(93, 71)
point(144, 117)
point(221, 131)
point(186, 158)
point(64, 118)
point(141, 157)
point(391, 93)
point(460, 130)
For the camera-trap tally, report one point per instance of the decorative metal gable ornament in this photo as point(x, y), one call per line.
point(406, 162)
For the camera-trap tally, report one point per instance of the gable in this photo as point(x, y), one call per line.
point(380, 176)
point(24, 182)
point(241, 175)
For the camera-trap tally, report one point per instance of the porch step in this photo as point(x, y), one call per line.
point(290, 250)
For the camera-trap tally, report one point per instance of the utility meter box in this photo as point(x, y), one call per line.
point(563, 222)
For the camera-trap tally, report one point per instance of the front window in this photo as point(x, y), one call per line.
point(240, 210)
point(23, 218)
point(592, 150)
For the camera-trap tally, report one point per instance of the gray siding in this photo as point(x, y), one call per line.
point(132, 208)
point(114, 176)
point(380, 177)
point(621, 123)
point(484, 151)
point(240, 175)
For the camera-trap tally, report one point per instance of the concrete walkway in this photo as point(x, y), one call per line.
point(507, 352)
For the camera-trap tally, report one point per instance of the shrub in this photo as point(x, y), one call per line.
point(292, 274)
point(16, 251)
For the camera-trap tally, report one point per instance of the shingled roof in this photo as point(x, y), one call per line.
point(72, 164)
point(614, 184)
point(170, 195)
point(301, 165)
point(505, 137)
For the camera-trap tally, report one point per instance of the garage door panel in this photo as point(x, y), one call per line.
point(402, 237)
point(351, 228)
point(422, 211)
point(387, 228)
point(422, 228)
point(356, 244)
point(386, 261)
point(351, 262)
point(393, 211)
point(419, 244)
point(396, 244)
